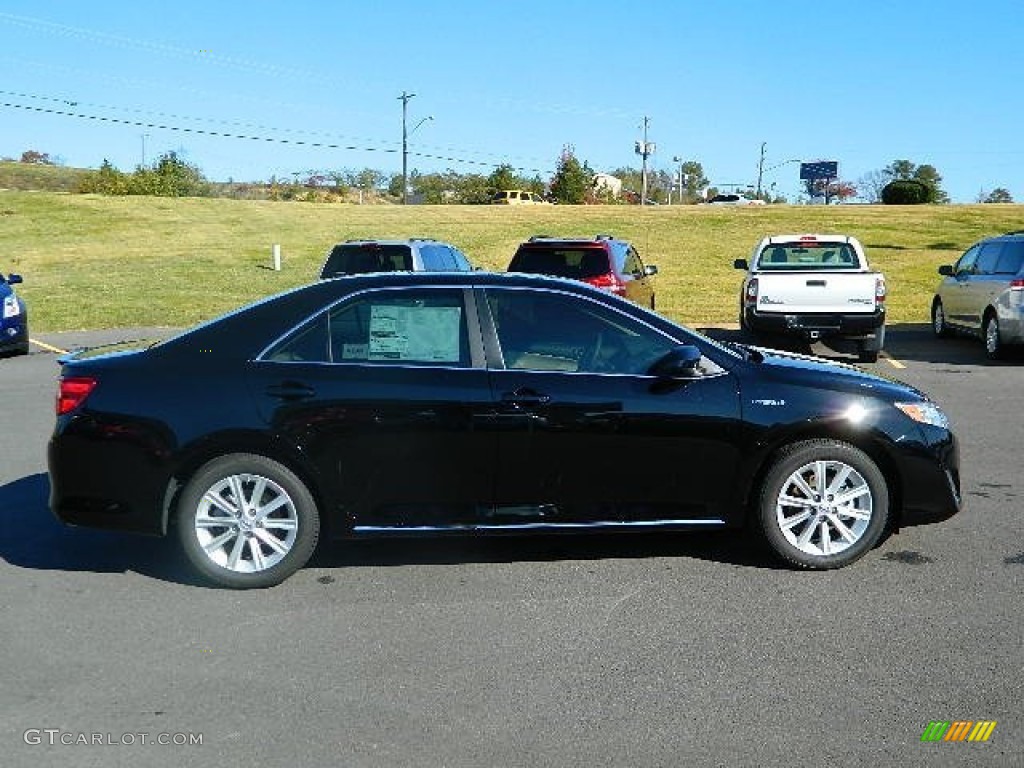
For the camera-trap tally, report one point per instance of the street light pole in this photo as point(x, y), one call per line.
point(680, 161)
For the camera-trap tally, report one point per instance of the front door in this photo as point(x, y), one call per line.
point(586, 436)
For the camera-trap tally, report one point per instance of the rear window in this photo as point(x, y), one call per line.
point(358, 258)
point(816, 255)
point(574, 263)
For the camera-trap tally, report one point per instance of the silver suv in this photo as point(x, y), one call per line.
point(983, 293)
point(417, 254)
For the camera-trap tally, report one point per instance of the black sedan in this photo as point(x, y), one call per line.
point(423, 404)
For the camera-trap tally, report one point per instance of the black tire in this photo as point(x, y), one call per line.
point(238, 548)
point(994, 348)
point(868, 349)
point(821, 543)
point(866, 355)
point(940, 328)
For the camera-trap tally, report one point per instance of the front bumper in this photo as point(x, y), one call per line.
point(930, 479)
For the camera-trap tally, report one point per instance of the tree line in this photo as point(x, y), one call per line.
point(573, 182)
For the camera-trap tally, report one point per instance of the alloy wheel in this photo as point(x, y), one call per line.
point(246, 523)
point(824, 507)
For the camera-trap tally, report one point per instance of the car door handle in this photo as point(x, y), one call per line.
point(525, 398)
point(291, 390)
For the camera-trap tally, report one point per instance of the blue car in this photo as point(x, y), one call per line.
point(14, 322)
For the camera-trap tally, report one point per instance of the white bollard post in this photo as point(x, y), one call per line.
point(277, 257)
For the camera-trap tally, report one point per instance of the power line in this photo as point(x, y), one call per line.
point(267, 139)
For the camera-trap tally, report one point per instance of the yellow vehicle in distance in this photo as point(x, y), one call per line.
point(517, 197)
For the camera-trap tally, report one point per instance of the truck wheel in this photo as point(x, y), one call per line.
point(868, 349)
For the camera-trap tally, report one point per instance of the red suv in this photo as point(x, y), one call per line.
point(602, 261)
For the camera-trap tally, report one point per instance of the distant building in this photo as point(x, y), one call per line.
point(603, 182)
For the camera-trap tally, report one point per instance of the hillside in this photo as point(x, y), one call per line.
point(92, 261)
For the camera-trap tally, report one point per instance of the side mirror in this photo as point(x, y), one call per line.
point(946, 270)
point(741, 264)
point(680, 363)
point(13, 279)
point(650, 269)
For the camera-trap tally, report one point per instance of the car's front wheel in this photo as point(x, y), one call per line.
point(246, 521)
point(824, 504)
point(939, 326)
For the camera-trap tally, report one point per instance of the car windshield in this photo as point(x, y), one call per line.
point(574, 263)
point(803, 255)
point(357, 258)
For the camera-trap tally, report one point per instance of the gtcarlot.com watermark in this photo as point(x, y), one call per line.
point(56, 737)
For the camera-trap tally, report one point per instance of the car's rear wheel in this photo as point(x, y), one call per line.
point(246, 521)
point(824, 504)
point(939, 326)
point(990, 335)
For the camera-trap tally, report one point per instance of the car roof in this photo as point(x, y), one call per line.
point(552, 240)
point(389, 241)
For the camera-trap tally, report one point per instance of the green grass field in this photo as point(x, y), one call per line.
point(98, 262)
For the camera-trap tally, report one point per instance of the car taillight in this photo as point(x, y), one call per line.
point(608, 282)
point(1017, 284)
point(73, 392)
point(751, 295)
point(879, 291)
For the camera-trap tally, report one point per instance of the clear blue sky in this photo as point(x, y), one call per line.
point(863, 82)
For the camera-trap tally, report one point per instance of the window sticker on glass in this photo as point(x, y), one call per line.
point(354, 352)
point(426, 334)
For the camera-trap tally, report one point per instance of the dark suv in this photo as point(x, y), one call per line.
point(417, 254)
point(602, 261)
point(983, 293)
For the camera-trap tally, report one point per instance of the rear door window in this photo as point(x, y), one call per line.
point(988, 257)
point(398, 327)
point(1011, 259)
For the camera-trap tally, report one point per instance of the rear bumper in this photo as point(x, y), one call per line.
point(814, 325)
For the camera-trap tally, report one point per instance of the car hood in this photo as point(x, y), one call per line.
point(826, 374)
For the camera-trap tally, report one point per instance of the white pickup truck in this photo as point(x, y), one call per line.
point(814, 286)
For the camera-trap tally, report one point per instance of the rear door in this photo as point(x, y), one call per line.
point(585, 436)
point(382, 394)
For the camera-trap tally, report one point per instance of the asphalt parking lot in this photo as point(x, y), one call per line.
point(629, 651)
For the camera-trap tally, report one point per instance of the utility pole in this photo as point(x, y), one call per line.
point(760, 169)
point(405, 147)
point(644, 149)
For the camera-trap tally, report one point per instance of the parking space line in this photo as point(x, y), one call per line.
point(48, 348)
point(892, 360)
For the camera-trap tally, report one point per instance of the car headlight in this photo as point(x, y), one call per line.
point(11, 308)
point(925, 413)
